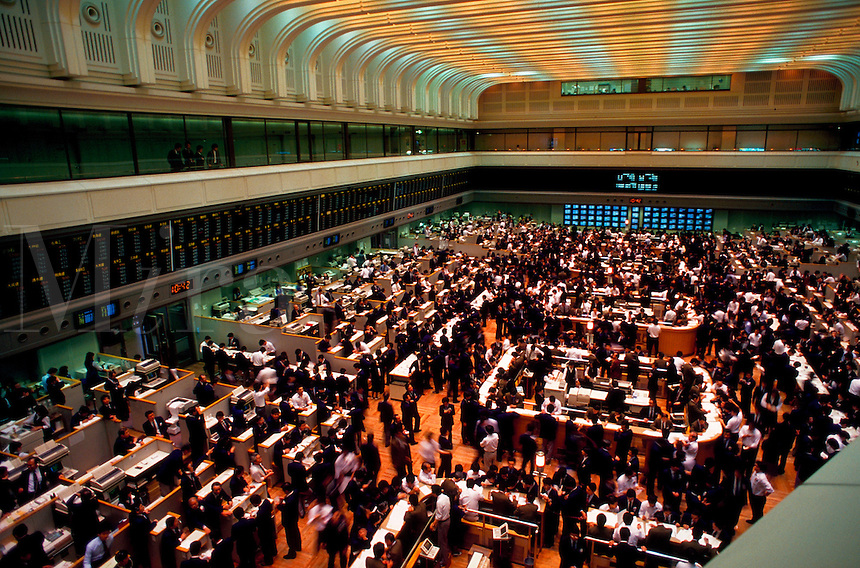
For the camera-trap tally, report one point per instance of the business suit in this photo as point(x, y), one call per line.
point(33, 483)
point(156, 427)
point(167, 547)
point(266, 531)
point(659, 540)
point(290, 512)
point(242, 534)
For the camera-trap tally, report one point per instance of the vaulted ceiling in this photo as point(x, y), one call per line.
point(432, 58)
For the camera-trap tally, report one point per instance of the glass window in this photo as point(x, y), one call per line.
point(694, 140)
point(204, 131)
point(822, 139)
point(374, 141)
point(540, 140)
point(516, 140)
point(398, 140)
point(666, 139)
point(613, 140)
point(316, 146)
point(587, 140)
point(425, 140)
point(249, 142)
point(751, 138)
point(357, 140)
point(305, 142)
point(781, 140)
point(99, 144)
point(334, 141)
point(155, 136)
point(489, 141)
point(31, 148)
point(281, 140)
point(447, 140)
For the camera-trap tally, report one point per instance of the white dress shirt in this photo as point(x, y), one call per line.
point(300, 401)
point(759, 484)
point(443, 508)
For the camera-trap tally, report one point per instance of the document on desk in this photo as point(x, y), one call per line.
point(396, 517)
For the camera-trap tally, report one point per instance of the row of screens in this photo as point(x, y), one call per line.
point(622, 217)
point(611, 216)
point(678, 218)
point(45, 269)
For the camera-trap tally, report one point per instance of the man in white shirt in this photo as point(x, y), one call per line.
point(258, 357)
point(650, 507)
point(490, 445)
point(750, 438)
point(760, 488)
point(636, 532)
point(428, 449)
point(98, 549)
point(470, 499)
point(734, 423)
point(270, 347)
point(259, 473)
point(442, 520)
point(653, 339)
point(670, 316)
point(300, 401)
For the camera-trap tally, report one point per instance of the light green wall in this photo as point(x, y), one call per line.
point(69, 352)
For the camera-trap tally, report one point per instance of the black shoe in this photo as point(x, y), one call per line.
point(289, 556)
point(751, 521)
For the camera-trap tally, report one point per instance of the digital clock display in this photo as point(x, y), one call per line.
point(180, 287)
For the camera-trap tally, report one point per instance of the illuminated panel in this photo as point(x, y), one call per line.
point(677, 219)
point(599, 216)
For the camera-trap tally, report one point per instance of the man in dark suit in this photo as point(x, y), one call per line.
point(502, 504)
point(194, 561)
point(28, 550)
point(290, 508)
point(528, 513)
point(32, 482)
point(242, 534)
point(629, 502)
point(736, 489)
point(266, 531)
point(214, 506)
point(124, 443)
point(548, 431)
point(223, 427)
point(650, 412)
point(154, 425)
point(208, 353)
point(298, 474)
point(413, 521)
point(658, 540)
point(169, 541)
point(394, 549)
point(139, 525)
point(625, 554)
point(615, 398)
point(370, 457)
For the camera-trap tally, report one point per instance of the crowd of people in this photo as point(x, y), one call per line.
point(754, 327)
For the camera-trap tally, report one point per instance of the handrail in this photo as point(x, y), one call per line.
point(532, 544)
point(647, 552)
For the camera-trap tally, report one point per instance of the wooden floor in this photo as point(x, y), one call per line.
point(309, 557)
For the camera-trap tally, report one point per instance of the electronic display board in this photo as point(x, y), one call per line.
point(600, 216)
point(53, 267)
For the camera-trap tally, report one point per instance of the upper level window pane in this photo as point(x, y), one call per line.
point(31, 148)
point(98, 143)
